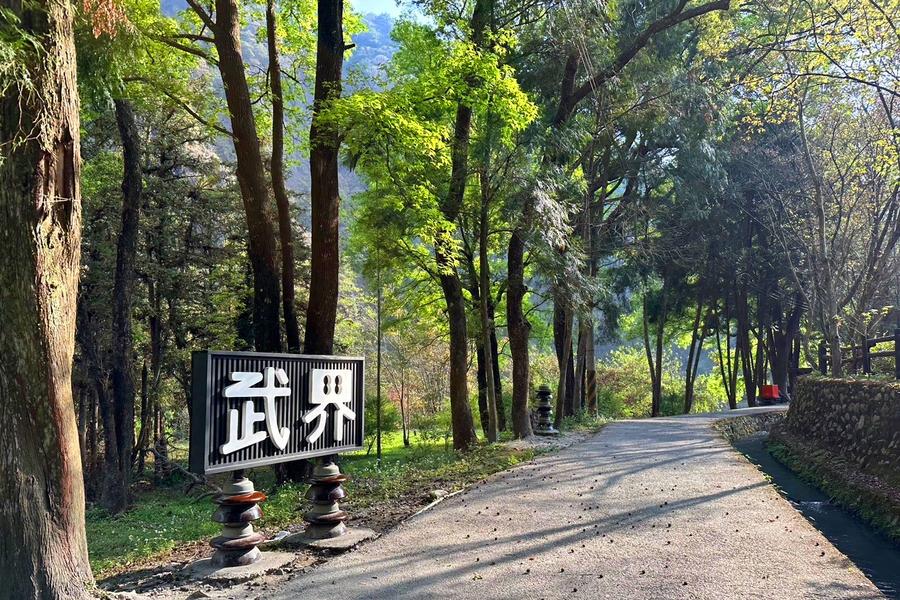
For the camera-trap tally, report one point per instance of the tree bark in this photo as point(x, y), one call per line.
point(323, 162)
point(43, 542)
point(518, 329)
point(279, 189)
point(694, 351)
point(481, 380)
point(116, 493)
point(655, 353)
point(562, 340)
point(728, 361)
point(251, 179)
point(460, 412)
point(380, 344)
point(495, 363)
point(486, 323)
point(562, 330)
point(745, 351)
point(404, 411)
point(143, 443)
point(781, 343)
point(580, 367)
point(590, 374)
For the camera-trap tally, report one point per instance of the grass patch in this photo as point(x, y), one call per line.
point(162, 519)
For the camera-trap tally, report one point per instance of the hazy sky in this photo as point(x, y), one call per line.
point(377, 6)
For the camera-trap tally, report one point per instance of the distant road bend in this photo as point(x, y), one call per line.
point(660, 508)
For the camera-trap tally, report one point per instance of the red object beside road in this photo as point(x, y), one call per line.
point(769, 392)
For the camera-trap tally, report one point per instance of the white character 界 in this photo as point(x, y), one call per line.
point(330, 387)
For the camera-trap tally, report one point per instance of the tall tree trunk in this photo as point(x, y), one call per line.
point(580, 366)
point(251, 179)
point(43, 547)
point(518, 329)
point(590, 373)
point(156, 345)
point(693, 361)
point(795, 366)
point(655, 356)
point(116, 494)
point(570, 365)
point(486, 323)
point(495, 363)
point(404, 411)
point(562, 329)
point(323, 163)
point(728, 360)
point(461, 413)
point(562, 333)
point(285, 229)
point(89, 461)
point(481, 380)
point(827, 295)
point(743, 343)
point(140, 448)
point(380, 344)
point(781, 343)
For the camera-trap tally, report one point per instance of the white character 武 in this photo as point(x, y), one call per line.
point(248, 416)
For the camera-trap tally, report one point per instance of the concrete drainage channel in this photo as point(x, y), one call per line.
point(873, 553)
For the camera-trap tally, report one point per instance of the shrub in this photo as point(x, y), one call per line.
point(624, 388)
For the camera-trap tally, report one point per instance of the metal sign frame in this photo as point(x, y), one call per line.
point(212, 373)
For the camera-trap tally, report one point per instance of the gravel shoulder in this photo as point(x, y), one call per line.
point(661, 508)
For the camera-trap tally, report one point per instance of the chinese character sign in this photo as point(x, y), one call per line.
point(252, 409)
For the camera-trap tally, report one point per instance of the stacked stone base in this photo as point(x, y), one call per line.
point(238, 508)
point(326, 519)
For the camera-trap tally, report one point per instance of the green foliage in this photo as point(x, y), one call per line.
point(709, 392)
point(390, 420)
point(624, 384)
point(400, 140)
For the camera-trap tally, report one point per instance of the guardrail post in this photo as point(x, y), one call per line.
point(897, 353)
point(823, 358)
point(866, 359)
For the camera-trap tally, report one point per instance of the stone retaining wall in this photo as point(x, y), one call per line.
point(858, 421)
point(735, 428)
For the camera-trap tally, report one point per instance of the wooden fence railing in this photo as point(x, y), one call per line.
point(860, 357)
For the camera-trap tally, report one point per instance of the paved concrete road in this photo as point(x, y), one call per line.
point(646, 509)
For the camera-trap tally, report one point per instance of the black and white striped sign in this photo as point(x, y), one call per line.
point(250, 409)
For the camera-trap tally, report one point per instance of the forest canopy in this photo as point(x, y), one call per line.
point(653, 207)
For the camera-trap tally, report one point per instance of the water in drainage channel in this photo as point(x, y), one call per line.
point(873, 553)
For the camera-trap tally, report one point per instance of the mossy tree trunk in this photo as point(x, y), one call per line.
point(118, 474)
point(43, 547)
point(519, 330)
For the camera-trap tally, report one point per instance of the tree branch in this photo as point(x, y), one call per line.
point(203, 14)
point(677, 16)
